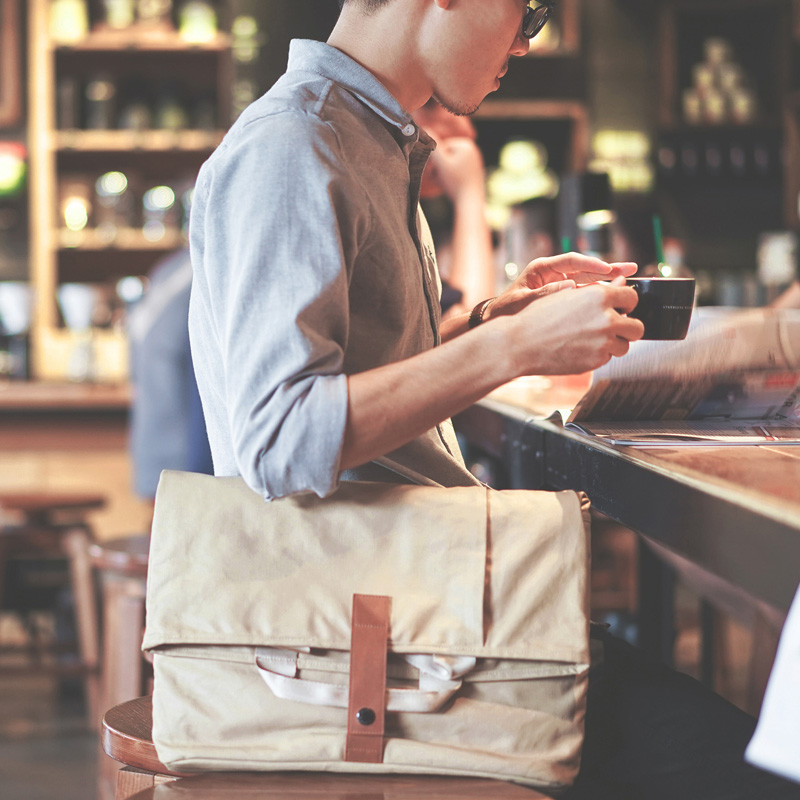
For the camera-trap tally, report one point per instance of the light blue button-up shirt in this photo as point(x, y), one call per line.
point(312, 262)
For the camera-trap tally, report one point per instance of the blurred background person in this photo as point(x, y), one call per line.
point(167, 426)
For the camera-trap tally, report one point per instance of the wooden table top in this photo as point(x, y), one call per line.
point(761, 476)
point(731, 510)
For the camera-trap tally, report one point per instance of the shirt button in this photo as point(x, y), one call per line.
point(409, 130)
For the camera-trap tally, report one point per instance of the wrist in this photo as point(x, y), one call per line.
point(479, 314)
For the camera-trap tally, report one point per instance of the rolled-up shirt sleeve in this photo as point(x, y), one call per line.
point(275, 227)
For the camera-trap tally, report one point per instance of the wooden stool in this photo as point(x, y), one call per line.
point(122, 566)
point(54, 524)
point(127, 737)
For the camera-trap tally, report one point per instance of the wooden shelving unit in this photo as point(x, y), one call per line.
point(722, 175)
point(573, 112)
point(127, 141)
point(144, 39)
point(93, 255)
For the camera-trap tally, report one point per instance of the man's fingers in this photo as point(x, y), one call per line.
point(624, 268)
point(622, 297)
point(630, 329)
point(552, 288)
point(619, 347)
point(588, 267)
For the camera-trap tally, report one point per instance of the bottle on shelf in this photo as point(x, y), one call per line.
point(155, 13)
point(119, 14)
point(197, 21)
point(69, 21)
point(113, 205)
point(100, 94)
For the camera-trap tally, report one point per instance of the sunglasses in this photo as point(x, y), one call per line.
point(536, 18)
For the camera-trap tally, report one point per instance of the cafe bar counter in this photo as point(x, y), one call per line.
point(731, 510)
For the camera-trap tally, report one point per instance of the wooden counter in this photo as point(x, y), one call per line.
point(71, 437)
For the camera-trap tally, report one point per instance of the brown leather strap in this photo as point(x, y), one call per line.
point(367, 702)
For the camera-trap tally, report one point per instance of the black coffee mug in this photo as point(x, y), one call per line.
point(665, 306)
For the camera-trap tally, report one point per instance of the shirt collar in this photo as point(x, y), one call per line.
point(333, 64)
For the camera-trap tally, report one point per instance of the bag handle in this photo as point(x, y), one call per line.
point(278, 669)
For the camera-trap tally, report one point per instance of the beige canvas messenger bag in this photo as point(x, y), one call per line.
point(386, 628)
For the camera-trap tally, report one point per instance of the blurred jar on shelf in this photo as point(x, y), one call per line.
point(692, 106)
point(170, 112)
point(715, 107)
point(113, 205)
point(160, 212)
point(69, 21)
point(155, 13)
point(75, 208)
point(78, 303)
point(100, 95)
point(744, 106)
point(16, 303)
point(717, 51)
point(119, 14)
point(197, 21)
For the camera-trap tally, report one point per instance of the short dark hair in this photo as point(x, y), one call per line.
point(368, 5)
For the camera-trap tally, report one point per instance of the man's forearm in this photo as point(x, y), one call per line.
point(394, 404)
point(568, 332)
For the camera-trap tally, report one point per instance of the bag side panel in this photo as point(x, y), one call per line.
point(211, 715)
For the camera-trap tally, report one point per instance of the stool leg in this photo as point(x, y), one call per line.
point(123, 630)
point(76, 544)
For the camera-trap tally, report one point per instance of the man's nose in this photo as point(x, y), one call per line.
point(522, 44)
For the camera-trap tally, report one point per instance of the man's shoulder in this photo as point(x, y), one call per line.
point(302, 105)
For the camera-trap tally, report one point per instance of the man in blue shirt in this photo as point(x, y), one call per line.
point(320, 351)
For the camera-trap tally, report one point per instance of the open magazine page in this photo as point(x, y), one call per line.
point(736, 369)
point(719, 340)
point(703, 432)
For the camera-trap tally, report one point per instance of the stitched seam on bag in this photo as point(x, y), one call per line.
point(195, 650)
point(532, 778)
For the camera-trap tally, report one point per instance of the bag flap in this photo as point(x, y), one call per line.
point(537, 600)
point(471, 571)
point(226, 567)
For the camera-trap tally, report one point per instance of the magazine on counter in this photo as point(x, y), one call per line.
point(735, 379)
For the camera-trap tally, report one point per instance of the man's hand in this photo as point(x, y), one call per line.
point(571, 266)
point(574, 330)
point(548, 275)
